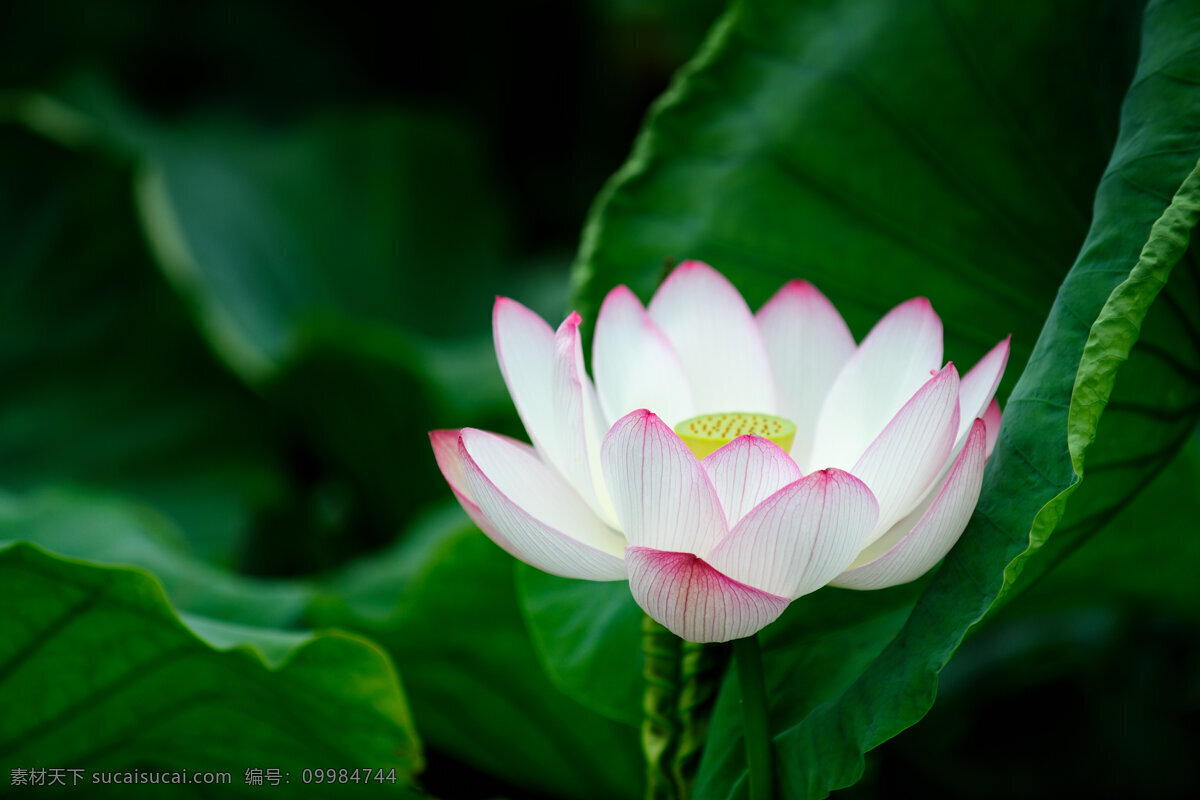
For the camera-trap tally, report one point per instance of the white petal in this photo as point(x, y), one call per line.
point(450, 462)
point(525, 350)
point(579, 427)
point(979, 386)
point(920, 540)
point(904, 461)
point(636, 366)
point(715, 335)
point(661, 494)
point(543, 520)
point(890, 365)
point(545, 375)
point(808, 343)
point(976, 401)
point(801, 537)
point(696, 602)
point(747, 471)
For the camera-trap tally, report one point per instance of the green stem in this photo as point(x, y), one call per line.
point(702, 666)
point(661, 651)
point(756, 723)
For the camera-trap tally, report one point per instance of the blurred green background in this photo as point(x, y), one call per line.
point(353, 197)
point(248, 253)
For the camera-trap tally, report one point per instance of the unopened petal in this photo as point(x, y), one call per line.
point(717, 339)
point(906, 459)
point(801, 537)
point(918, 542)
point(892, 363)
point(807, 343)
point(695, 601)
point(662, 496)
point(635, 364)
point(542, 519)
point(747, 471)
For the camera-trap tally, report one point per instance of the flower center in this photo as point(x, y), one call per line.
point(706, 433)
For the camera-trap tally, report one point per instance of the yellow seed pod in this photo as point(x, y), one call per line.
point(708, 432)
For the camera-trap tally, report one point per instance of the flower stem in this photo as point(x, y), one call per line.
point(702, 667)
point(661, 651)
point(757, 730)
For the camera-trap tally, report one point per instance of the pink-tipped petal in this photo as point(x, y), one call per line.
point(992, 419)
point(449, 461)
point(979, 386)
point(662, 496)
point(717, 340)
point(580, 430)
point(525, 350)
point(808, 343)
point(635, 365)
point(892, 363)
point(696, 602)
point(544, 372)
point(800, 538)
point(541, 518)
point(919, 541)
point(904, 461)
point(747, 471)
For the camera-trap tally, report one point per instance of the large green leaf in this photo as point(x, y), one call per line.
point(106, 384)
point(444, 604)
point(364, 219)
point(881, 150)
point(1049, 427)
point(310, 257)
point(885, 150)
point(1152, 410)
point(441, 601)
point(1099, 647)
point(1144, 559)
point(107, 530)
point(582, 630)
point(316, 259)
point(800, 143)
point(358, 216)
point(98, 672)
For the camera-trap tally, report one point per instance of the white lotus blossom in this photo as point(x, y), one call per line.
point(826, 462)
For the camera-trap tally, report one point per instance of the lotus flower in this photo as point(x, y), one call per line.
point(724, 462)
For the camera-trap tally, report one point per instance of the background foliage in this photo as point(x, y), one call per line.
point(247, 257)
